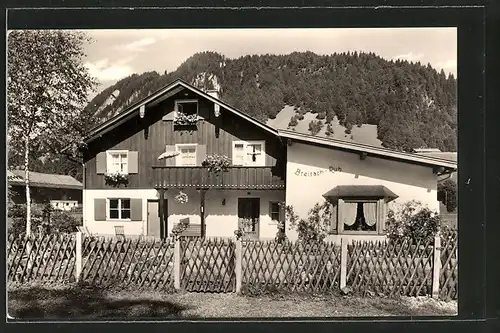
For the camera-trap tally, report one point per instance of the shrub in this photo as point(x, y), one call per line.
point(43, 219)
point(61, 221)
point(315, 227)
point(447, 194)
point(413, 222)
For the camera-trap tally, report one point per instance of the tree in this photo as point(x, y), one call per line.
point(48, 87)
point(447, 194)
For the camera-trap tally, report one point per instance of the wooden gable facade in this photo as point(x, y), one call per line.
point(145, 139)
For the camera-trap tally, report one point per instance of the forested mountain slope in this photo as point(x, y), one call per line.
point(411, 105)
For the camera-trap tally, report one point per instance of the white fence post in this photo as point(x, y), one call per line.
point(343, 263)
point(436, 267)
point(237, 266)
point(78, 258)
point(177, 264)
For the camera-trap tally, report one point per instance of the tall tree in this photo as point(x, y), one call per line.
point(48, 87)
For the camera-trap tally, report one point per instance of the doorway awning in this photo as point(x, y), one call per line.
point(360, 191)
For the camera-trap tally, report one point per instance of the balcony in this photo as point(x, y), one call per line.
point(235, 178)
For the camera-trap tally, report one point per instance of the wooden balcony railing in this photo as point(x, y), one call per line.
point(244, 178)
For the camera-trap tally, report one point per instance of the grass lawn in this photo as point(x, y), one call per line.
point(75, 303)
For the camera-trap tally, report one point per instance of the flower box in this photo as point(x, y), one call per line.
point(182, 119)
point(116, 179)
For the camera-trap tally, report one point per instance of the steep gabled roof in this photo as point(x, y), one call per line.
point(37, 179)
point(161, 94)
point(369, 150)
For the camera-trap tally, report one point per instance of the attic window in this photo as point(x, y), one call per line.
point(187, 106)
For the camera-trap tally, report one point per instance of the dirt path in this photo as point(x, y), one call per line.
point(38, 303)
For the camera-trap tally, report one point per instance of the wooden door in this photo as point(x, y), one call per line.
point(154, 225)
point(248, 216)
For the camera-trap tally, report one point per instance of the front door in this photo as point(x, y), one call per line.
point(248, 216)
point(154, 225)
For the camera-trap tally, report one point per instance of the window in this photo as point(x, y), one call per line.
point(119, 209)
point(360, 216)
point(117, 162)
point(249, 153)
point(187, 106)
point(187, 155)
point(274, 211)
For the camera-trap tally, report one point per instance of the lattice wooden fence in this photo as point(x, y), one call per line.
point(291, 266)
point(42, 258)
point(448, 277)
point(207, 265)
point(139, 263)
point(225, 265)
point(391, 268)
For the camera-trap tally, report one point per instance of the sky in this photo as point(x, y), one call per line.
point(115, 54)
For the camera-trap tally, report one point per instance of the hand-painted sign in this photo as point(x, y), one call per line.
point(332, 169)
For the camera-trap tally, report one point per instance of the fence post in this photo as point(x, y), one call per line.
point(78, 258)
point(237, 266)
point(177, 264)
point(343, 262)
point(436, 266)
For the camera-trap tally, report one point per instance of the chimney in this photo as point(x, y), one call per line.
point(214, 93)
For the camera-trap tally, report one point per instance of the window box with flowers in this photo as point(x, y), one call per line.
point(216, 164)
point(185, 120)
point(116, 179)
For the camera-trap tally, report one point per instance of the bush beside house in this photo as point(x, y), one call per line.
point(44, 219)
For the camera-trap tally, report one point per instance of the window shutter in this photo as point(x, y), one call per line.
point(100, 162)
point(270, 209)
point(133, 162)
point(333, 210)
point(282, 212)
point(170, 161)
point(136, 209)
point(201, 153)
point(382, 216)
point(100, 209)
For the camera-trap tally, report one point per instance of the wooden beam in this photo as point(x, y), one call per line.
point(202, 212)
point(161, 207)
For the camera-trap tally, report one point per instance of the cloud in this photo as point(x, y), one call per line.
point(104, 71)
point(409, 56)
point(138, 45)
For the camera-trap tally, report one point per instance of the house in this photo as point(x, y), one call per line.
point(61, 191)
point(156, 163)
point(361, 182)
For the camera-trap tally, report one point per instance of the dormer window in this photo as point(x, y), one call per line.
point(187, 106)
point(186, 112)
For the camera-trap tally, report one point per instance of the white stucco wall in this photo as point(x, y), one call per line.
point(309, 177)
point(221, 220)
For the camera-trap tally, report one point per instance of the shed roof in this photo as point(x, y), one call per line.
point(37, 179)
point(361, 191)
